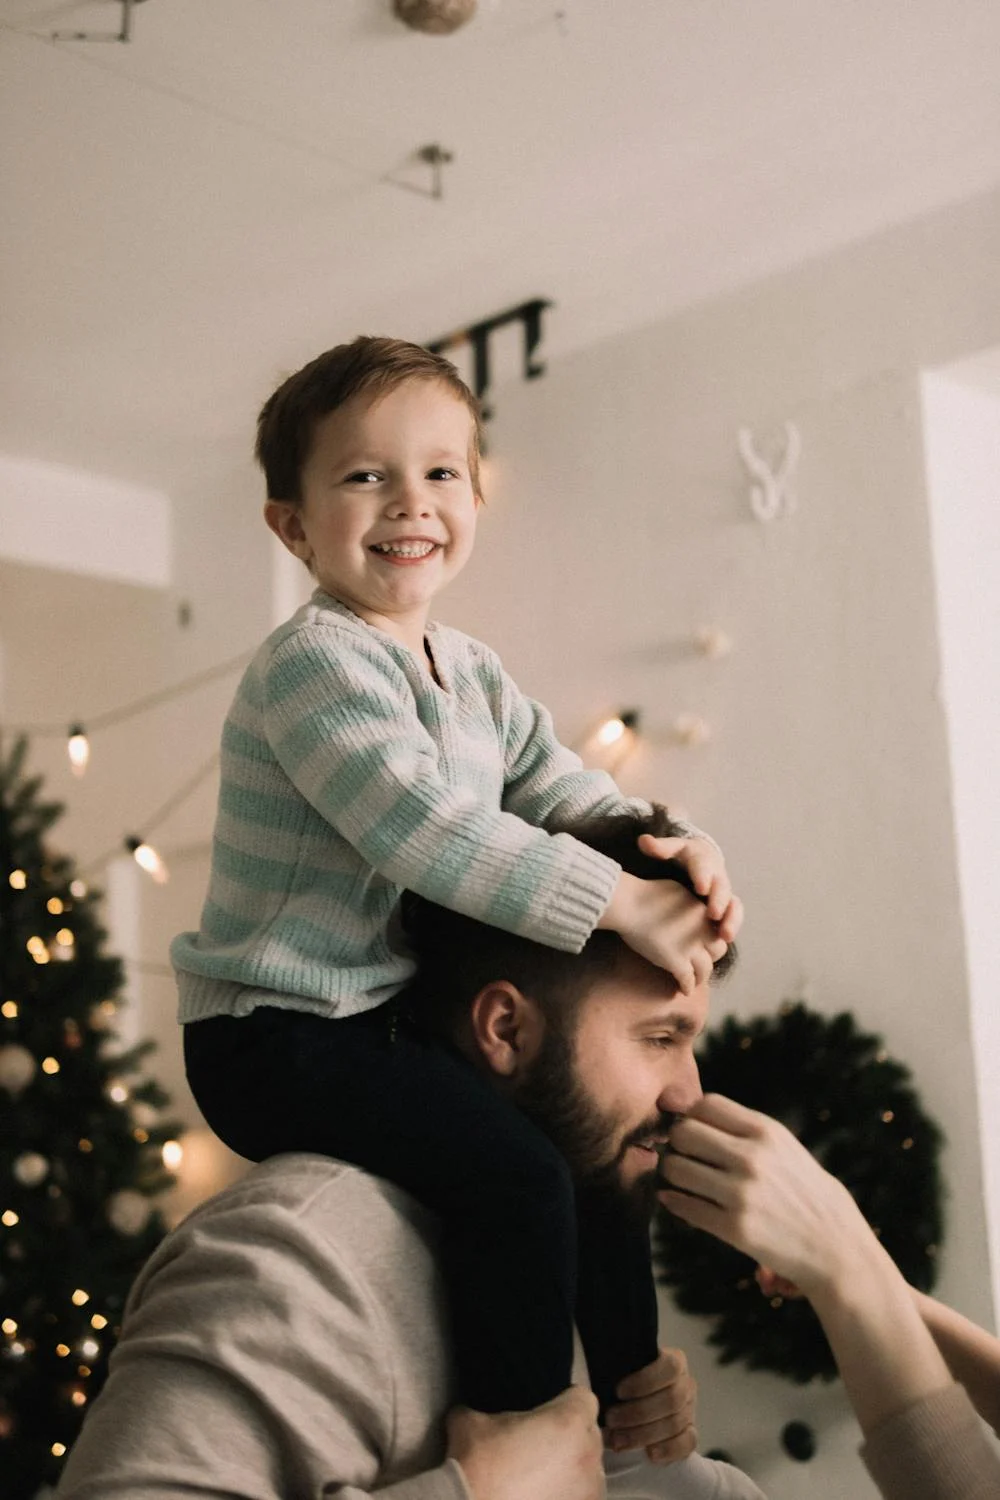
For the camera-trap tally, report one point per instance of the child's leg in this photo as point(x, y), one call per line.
point(616, 1309)
point(408, 1109)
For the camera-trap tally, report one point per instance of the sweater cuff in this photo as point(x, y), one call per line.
point(937, 1447)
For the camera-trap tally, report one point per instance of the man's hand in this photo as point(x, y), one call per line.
point(706, 865)
point(657, 1410)
point(551, 1453)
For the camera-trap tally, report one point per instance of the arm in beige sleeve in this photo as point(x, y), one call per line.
point(253, 1365)
point(971, 1354)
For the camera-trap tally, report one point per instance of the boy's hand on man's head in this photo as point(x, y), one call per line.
point(667, 926)
point(657, 1410)
point(706, 865)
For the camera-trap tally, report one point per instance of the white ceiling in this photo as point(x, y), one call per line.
point(188, 216)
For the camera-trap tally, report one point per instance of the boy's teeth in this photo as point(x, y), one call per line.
point(405, 549)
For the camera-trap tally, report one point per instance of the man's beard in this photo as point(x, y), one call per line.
point(554, 1098)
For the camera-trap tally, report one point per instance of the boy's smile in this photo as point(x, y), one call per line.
point(388, 510)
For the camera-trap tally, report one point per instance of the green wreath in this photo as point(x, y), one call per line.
point(855, 1108)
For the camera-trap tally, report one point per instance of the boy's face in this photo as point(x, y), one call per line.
point(388, 509)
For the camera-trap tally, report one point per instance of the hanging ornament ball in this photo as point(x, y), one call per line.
point(436, 17)
point(31, 1168)
point(128, 1211)
point(17, 1068)
point(799, 1441)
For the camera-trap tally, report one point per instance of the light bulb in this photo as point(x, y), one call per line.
point(80, 1298)
point(18, 879)
point(78, 748)
point(147, 858)
point(173, 1155)
point(610, 732)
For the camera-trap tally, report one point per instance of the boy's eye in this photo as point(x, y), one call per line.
point(363, 476)
point(442, 474)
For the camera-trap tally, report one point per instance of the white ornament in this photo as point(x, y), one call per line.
point(17, 1068)
point(31, 1168)
point(436, 17)
point(691, 730)
point(772, 493)
point(128, 1211)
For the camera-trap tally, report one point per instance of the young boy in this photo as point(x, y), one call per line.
point(368, 751)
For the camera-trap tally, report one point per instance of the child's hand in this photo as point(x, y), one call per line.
point(657, 1410)
point(706, 866)
point(667, 926)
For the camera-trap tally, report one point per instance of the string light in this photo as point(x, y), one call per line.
point(80, 1298)
point(117, 1091)
point(77, 889)
point(78, 748)
point(50, 1065)
point(58, 1450)
point(173, 1155)
point(9, 1218)
point(90, 1348)
point(9, 1010)
point(55, 906)
point(611, 731)
point(18, 879)
point(147, 858)
point(98, 1321)
point(63, 1350)
point(9, 1327)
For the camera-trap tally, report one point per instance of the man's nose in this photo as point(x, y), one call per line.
point(683, 1090)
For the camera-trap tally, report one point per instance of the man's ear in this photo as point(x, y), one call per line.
point(507, 1028)
point(285, 520)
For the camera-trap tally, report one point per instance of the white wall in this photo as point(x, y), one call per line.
point(961, 405)
point(620, 525)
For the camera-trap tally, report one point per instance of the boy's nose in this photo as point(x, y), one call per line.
point(409, 499)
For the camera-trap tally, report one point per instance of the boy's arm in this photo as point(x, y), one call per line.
point(340, 726)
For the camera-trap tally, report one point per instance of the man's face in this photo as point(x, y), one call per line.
point(608, 1092)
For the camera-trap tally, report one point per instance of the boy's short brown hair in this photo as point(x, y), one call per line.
point(367, 366)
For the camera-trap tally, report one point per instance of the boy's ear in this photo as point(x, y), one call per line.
point(285, 520)
point(507, 1028)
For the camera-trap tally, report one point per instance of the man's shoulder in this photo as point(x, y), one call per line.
point(330, 1200)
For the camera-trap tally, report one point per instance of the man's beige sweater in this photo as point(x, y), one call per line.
point(287, 1342)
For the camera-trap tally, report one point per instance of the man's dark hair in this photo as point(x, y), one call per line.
point(457, 956)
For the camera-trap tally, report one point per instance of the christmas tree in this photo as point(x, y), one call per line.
point(81, 1145)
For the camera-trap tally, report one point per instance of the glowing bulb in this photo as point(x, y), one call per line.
point(18, 879)
point(140, 1135)
point(35, 945)
point(90, 1348)
point(9, 1218)
point(9, 1010)
point(80, 1298)
point(62, 1350)
point(148, 859)
point(9, 1326)
point(173, 1155)
point(50, 1065)
point(17, 1349)
point(78, 889)
point(610, 732)
point(58, 1450)
point(65, 937)
point(54, 905)
point(118, 1093)
point(79, 1398)
point(98, 1321)
point(78, 747)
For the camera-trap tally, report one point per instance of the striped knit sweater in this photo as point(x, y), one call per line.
point(348, 775)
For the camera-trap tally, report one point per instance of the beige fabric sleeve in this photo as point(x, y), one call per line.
point(937, 1449)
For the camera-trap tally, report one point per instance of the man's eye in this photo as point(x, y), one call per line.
point(661, 1041)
